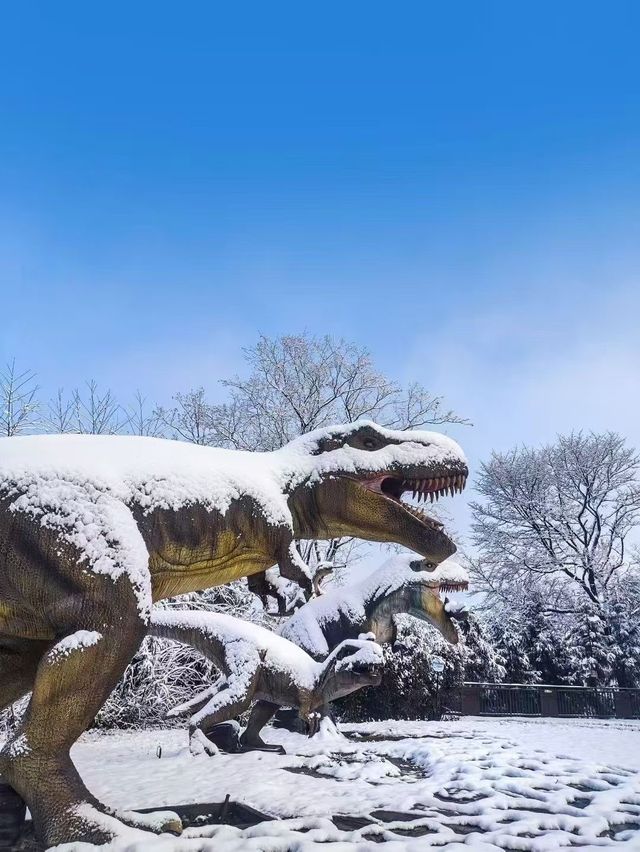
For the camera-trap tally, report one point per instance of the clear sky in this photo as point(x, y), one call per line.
point(455, 185)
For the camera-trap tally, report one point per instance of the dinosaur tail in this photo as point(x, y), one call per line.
point(190, 628)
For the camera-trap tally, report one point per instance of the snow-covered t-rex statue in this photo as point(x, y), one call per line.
point(93, 529)
point(403, 584)
point(259, 665)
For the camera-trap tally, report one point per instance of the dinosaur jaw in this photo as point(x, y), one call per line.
point(427, 605)
point(393, 487)
point(369, 505)
point(367, 675)
point(424, 534)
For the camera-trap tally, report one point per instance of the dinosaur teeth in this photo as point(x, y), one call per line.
point(435, 485)
point(453, 587)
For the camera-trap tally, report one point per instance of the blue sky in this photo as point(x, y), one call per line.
point(454, 185)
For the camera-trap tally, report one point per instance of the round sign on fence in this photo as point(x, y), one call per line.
point(437, 664)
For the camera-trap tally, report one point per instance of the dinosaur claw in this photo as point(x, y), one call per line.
point(159, 822)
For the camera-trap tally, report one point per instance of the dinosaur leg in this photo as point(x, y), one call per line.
point(232, 699)
point(18, 665)
point(73, 680)
point(264, 588)
point(251, 740)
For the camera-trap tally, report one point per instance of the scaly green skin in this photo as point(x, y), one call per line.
point(47, 594)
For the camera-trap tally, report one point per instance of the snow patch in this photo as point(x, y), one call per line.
point(478, 783)
point(75, 642)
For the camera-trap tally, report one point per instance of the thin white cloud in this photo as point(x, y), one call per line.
point(525, 374)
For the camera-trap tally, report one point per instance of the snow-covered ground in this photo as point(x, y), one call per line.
point(485, 784)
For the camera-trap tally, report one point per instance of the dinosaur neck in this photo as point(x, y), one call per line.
point(380, 608)
point(326, 688)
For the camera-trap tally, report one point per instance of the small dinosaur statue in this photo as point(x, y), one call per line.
point(401, 585)
point(95, 528)
point(259, 665)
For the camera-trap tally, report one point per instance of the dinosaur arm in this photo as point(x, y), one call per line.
point(293, 567)
point(273, 582)
point(197, 702)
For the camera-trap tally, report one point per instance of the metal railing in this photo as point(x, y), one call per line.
point(518, 699)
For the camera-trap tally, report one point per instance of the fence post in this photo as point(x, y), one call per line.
point(470, 704)
point(548, 702)
point(622, 703)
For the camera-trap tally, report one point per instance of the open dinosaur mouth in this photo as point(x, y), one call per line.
point(445, 587)
point(431, 488)
point(365, 668)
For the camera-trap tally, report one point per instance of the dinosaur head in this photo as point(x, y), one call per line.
point(350, 481)
point(352, 665)
point(425, 602)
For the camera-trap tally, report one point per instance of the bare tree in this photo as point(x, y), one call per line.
point(59, 417)
point(19, 406)
point(90, 412)
point(191, 419)
point(555, 521)
point(141, 421)
point(298, 383)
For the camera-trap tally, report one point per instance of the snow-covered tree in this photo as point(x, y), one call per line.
point(590, 651)
point(410, 689)
point(512, 638)
point(556, 519)
point(623, 618)
point(481, 659)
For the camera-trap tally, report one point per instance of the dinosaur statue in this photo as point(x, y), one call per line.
point(403, 584)
point(94, 528)
point(259, 665)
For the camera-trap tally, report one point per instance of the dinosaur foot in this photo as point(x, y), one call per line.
point(259, 745)
point(12, 816)
point(200, 746)
point(85, 822)
point(225, 736)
